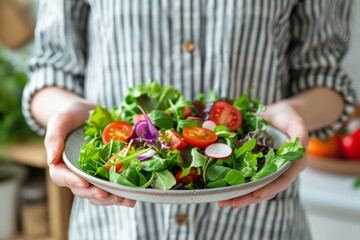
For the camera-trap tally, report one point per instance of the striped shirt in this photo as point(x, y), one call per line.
point(100, 48)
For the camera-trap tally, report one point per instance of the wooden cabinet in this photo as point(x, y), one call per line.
point(59, 200)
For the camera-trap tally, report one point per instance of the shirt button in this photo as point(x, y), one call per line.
point(188, 46)
point(181, 219)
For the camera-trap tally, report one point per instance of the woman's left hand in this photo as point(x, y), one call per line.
point(283, 116)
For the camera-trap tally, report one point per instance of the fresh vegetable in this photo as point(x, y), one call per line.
point(192, 176)
point(350, 145)
point(173, 146)
point(112, 160)
point(218, 151)
point(223, 113)
point(209, 125)
point(119, 130)
point(344, 144)
point(325, 148)
point(174, 140)
point(199, 137)
point(145, 130)
point(356, 183)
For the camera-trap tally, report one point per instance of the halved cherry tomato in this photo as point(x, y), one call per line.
point(117, 167)
point(191, 177)
point(198, 136)
point(177, 141)
point(119, 130)
point(223, 113)
point(122, 153)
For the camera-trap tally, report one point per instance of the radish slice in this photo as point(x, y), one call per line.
point(209, 125)
point(218, 150)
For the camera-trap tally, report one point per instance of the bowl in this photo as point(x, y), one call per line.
point(71, 154)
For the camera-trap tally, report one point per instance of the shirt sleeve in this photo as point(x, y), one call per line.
point(59, 53)
point(320, 35)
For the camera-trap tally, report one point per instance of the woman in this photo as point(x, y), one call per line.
point(92, 51)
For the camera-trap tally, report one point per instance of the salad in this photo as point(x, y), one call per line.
point(157, 139)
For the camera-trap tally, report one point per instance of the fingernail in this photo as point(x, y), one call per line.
point(128, 203)
point(241, 204)
point(99, 196)
point(224, 205)
point(260, 194)
point(78, 185)
point(51, 154)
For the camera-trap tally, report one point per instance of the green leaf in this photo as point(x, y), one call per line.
point(187, 123)
point(198, 161)
point(356, 183)
point(157, 164)
point(216, 173)
point(161, 119)
point(246, 147)
point(121, 179)
point(216, 184)
point(234, 177)
point(99, 118)
point(291, 147)
point(265, 171)
point(164, 180)
point(248, 165)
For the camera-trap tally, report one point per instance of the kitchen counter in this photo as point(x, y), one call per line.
point(332, 204)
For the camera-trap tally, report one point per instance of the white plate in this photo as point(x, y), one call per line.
point(71, 155)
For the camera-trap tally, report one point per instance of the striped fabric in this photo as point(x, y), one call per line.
point(100, 48)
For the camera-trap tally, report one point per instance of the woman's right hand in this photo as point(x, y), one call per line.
point(58, 127)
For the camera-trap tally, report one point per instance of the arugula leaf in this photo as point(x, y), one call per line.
point(181, 123)
point(248, 166)
point(177, 108)
point(99, 118)
point(198, 160)
point(246, 147)
point(94, 154)
point(221, 174)
point(161, 119)
point(131, 177)
point(164, 180)
point(289, 151)
point(250, 109)
point(149, 96)
point(157, 164)
point(267, 170)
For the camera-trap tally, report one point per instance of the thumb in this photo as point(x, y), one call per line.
point(57, 130)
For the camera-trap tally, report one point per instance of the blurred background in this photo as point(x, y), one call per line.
point(32, 207)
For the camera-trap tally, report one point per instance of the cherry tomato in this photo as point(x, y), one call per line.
point(177, 141)
point(191, 177)
point(324, 148)
point(199, 137)
point(350, 145)
point(119, 130)
point(223, 113)
point(117, 166)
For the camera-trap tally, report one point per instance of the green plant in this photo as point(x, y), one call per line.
point(6, 169)
point(12, 81)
